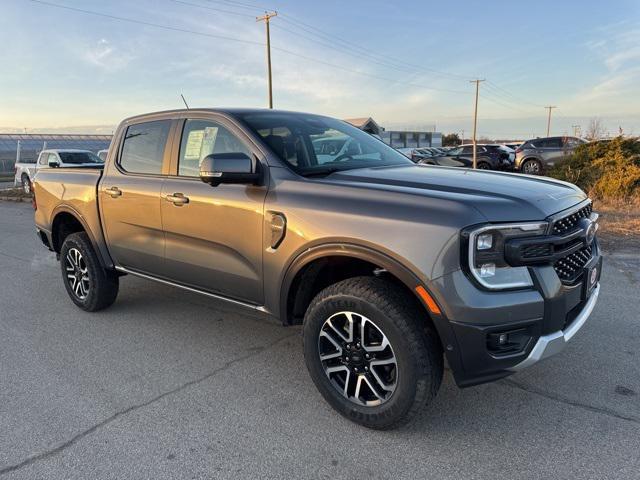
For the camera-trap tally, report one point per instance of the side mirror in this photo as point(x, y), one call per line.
point(54, 163)
point(220, 168)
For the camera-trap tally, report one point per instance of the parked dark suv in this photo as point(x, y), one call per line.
point(536, 156)
point(489, 157)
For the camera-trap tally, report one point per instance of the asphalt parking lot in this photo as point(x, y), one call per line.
point(168, 384)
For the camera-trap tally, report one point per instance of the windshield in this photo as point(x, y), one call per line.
point(79, 157)
point(312, 144)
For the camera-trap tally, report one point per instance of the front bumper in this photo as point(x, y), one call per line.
point(548, 345)
point(543, 318)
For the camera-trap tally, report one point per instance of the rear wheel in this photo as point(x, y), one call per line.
point(369, 352)
point(89, 286)
point(532, 167)
point(26, 184)
point(484, 166)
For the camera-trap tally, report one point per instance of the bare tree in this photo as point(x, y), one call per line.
point(595, 130)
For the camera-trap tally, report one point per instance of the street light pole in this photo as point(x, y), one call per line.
point(266, 17)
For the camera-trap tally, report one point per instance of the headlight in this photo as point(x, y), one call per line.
point(486, 254)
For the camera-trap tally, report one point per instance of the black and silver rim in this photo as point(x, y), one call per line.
point(77, 273)
point(26, 185)
point(358, 359)
point(531, 167)
point(484, 166)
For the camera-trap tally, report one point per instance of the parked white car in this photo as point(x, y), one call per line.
point(26, 170)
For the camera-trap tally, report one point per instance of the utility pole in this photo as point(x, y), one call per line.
point(475, 123)
point(266, 17)
point(462, 138)
point(550, 107)
point(575, 130)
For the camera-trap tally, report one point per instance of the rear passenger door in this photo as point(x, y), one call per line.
point(213, 234)
point(129, 197)
point(551, 150)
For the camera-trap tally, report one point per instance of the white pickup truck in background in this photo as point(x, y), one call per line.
point(25, 171)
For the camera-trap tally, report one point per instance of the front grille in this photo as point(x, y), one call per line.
point(569, 223)
point(570, 267)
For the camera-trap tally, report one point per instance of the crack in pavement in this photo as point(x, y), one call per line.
point(72, 441)
point(567, 401)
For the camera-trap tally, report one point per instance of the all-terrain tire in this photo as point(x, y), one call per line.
point(414, 342)
point(100, 287)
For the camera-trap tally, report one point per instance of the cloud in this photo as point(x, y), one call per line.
point(106, 56)
point(618, 49)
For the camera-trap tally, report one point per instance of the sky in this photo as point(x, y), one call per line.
point(407, 64)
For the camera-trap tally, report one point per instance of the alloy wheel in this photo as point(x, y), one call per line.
point(357, 358)
point(77, 273)
point(531, 167)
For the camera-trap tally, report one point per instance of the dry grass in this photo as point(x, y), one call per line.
point(619, 224)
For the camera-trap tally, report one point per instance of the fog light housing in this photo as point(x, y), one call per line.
point(508, 342)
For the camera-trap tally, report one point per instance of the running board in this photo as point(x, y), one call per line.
point(258, 308)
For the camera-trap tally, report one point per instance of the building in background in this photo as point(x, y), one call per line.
point(397, 138)
point(27, 146)
point(366, 124)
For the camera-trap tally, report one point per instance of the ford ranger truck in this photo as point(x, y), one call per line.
point(388, 266)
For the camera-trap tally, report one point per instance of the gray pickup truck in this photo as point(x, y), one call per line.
point(389, 266)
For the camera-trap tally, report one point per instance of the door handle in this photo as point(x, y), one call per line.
point(177, 199)
point(113, 191)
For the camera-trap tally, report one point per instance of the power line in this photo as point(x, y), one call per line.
point(148, 24)
point(337, 43)
point(316, 31)
point(494, 86)
point(250, 42)
point(338, 49)
point(221, 10)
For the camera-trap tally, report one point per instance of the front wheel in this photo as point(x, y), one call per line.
point(370, 353)
point(89, 286)
point(484, 166)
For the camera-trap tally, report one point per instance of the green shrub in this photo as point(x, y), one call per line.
point(608, 170)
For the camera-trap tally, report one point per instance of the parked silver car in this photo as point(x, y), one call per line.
point(536, 156)
point(26, 170)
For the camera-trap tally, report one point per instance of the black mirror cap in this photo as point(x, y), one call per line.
point(234, 167)
point(53, 164)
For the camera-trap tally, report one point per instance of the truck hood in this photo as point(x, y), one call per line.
point(498, 196)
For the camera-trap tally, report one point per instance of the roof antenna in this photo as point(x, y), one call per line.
point(185, 102)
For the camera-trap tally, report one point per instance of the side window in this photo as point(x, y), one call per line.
point(467, 150)
point(201, 138)
point(143, 148)
point(43, 159)
point(572, 142)
point(551, 143)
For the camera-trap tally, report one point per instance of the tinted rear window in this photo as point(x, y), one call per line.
point(79, 157)
point(143, 148)
point(549, 143)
